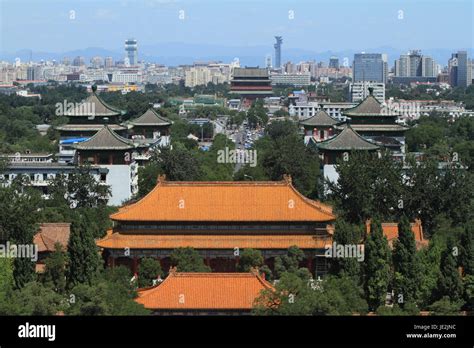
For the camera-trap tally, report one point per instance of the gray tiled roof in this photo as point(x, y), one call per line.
point(379, 128)
point(105, 139)
point(347, 140)
point(88, 127)
point(321, 118)
point(368, 107)
point(150, 118)
point(94, 106)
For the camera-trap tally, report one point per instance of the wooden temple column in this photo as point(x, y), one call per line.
point(135, 265)
point(309, 263)
point(207, 261)
point(111, 261)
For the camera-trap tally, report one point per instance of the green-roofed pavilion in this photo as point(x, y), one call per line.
point(319, 127)
point(150, 125)
point(346, 141)
point(106, 147)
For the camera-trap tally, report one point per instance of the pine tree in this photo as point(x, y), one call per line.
point(449, 281)
point(188, 260)
point(376, 266)
point(83, 255)
point(55, 270)
point(148, 270)
point(405, 264)
point(467, 249)
point(345, 234)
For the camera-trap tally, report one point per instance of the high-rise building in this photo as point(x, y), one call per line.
point(470, 71)
point(268, 61)
point(414, 64)
point(277, 46)
point(97, 62)
point(78, 61)
point(334, 62)
point(131, 51)
point(289, 68)
point(462, 69)
point(370, 67)
point(428, 67)
point(360, 90)
point(109, 62)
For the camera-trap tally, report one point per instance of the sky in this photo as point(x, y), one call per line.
point(317, 25)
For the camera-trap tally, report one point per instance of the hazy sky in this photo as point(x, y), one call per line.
point(318, 25)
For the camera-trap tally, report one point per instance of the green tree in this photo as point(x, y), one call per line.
point(346, 234)
point(6, 282)
point(178, 164)
point(376, 266)
point(290, 263)
point(250, 258)
point(368, 185)
point(35, 299)
point(467, 249)
point(18, 217)
point(188, 260)
point(147, 177)
point(405, 264)
point(148, 270)
point(298, 296)
point(55, 269)
point(445, 306)
point(110, 293)
point(84, 260)
point(449, 281)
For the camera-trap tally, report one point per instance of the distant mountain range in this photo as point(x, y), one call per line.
point(184, 53)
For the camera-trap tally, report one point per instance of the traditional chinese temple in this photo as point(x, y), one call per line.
point(377, 124)
point(251, 83)
point(390, 231)
point(319, 127)
point(45, 239)
point(85, 120)
point(105, 147)
point(150, 127)
point(345, 142)
point(219, 220)
point(204, 293)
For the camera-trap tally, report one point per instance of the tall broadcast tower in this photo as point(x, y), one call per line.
point(277, 46)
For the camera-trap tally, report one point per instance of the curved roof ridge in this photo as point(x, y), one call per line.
point(346, 132)
point(106, 105)
point(324, 208)
point(104, 132)
point(320, 118)
point(232, 203)
point(145, 117)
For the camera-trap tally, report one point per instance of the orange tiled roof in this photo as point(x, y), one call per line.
point(204, 291)
point(225, 201)
point(390, 230)
point(153, 241)
point(51, 232)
